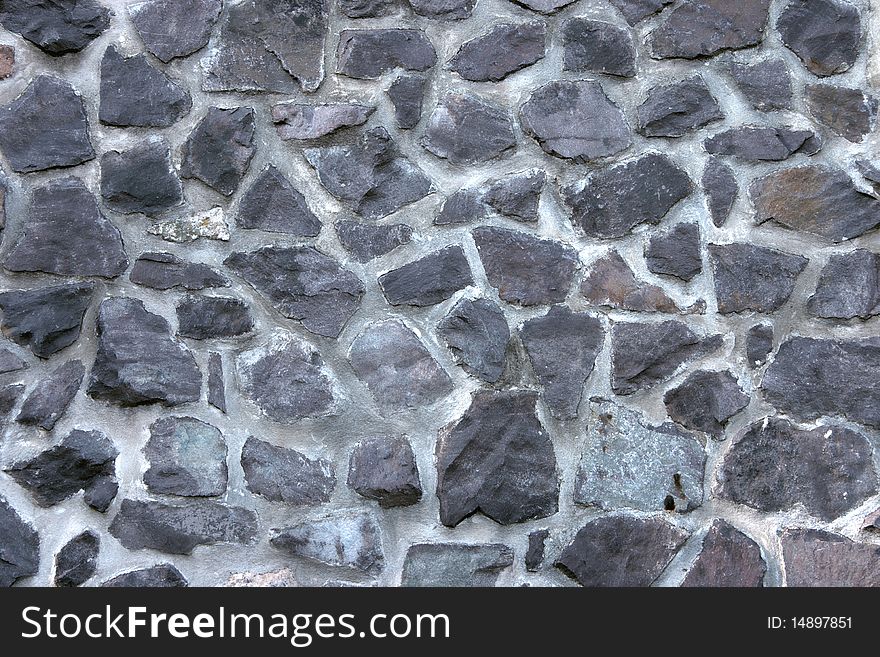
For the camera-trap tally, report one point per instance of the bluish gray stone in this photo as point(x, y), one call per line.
point(164, 271)
point(676, 252)
point(848, 287)
point(19, 546)
point(187, 457)
point(285, 475)
point(429, 280)
point(598, 47)
point(467, 129)
point(384, 469)
point(141, 179)
point(56, 28)
point(477, 333)
point(50, 397)
point(163, 575)
point(77, 561)
point(367, 241)
point(204, 318)
point(367, 54)
point(676, 109)
point(503, 50)
point(219, 149)
point(765, 84)
point(753, 278)
point(348, 538)
point(174, 28)
point(455, 564)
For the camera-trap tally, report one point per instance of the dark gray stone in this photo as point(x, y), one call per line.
point(621, 551)
point(174, 28)
point(349, 539)
point(366, 8)
point(203, 318)
point(445, 10)
point(477, 333)
point(46, 320)
point(407, 94)
point(77, 561)
point(774, 466)
point(367, 242)
point(462, 207)
point(544, 6)
point(517, 195)
point(676, 252)
point(675, 109)
point(164, 271)
point(467, 129)
point(763, 143)
point(141, 179)
point(497, 459)
point(635, 11)
point(9, 396)
point(705, 401)
point(163, 575)
point(138, 362)
point(850, 113)
point(721, 189)
point(216, 385)
point(10, 362)
point(302, 283)
point(597, 47)
point(825, 34)
point(759, 344)
point(455, 564)
point(274, 205)
point(848, 287)
point(56, 28)
point(535, 554)
point(219, 149)
point(611, 283)
point(753, 278)
point(45, 127)
point(384, 469)
point(429, 280)
point(285, 475)
point(101, 493)
point(818, 558)
point(50, 397)
point(187, 457)
point(303, 121)
point(19, 546)
point(765, 84)
point(613, 201)
point(728, 558)
point(504, 49)
point(367, 54)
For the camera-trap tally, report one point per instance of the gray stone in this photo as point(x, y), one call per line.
point(497, 459)
point(575, 119)
point(77, 561)
point(302, 283)
point(81, 460)
point(635, 11)
point(285, 475)
point(367, 242)
point(349, 538)
point(613, 201)
point(367, 54)
point(302, 121)
point(19, 546)
point(187, 457)
point(429, 280)
point(610, 282)
point(765, 84)
point(160, 576)
point(138, 362)
point(216, 385)
point(517, 195)
point(141, 179)
point(504, 49)
point(101, 493)
point(676, 109)
point(46, 320)
point(446, 10)
point(56, 28)
point(9, 396)
point(627, 462)
point(525, 270)
point(825, 34)
point(849, 286)
point(50, 397)
point(753, 278)
point(286, 378)
point(164, 271)
point(621, 551)
point(369, 175)
point(759, 344)
point(467, 129)
point(721, 190)
point(850, 113)
point(728, 558)
point(818, 558)
point(396, 366)
point(462, 207)
point(384, 469)
point(25, 138)
point(676, 252)
point(204, 318)
point(597, 47)
point(135, 93)
point(180, 529)
point(535, 553)
point(10, 362)
point(763, 143)
point(477, 333)
point(407, 94)
point(455, 564)
point(366, 8)
point(174, 28)
point(705, 401)
point(219, 149)
point(274, 205)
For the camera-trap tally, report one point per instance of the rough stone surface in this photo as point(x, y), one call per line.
point(174, 28)
point(349, 539)
point(544, 6)
point(210, 225)
point(141, 180)
point(721, 189)
point(505, 49)
point(203, 318)
point(535, 553)
point(301, 121)
point(10, 362)
point(610, 282)
point(216, 385)
point(728, 558)
point(56, 28)
point(467, 129)
point(598, 47)
point(367, 54)
point(765, 84)
point(429, 280)
point(825, 34)
point(676, 109)
point(762, 143)
point(455, 564)
point(163, 575)
point(384, 469)
point(849, 113)
point(818, 558)
point(77, 561)
point(445, 10)
point(164, 271)
point(50, 398)
point(7, 61)
point(19, 546)
point(407, 94)
point(285, 475)
point(366, 8)
point(187, 457)
point(705, 401)
point(676, 252)
point(219, 150)
point(477, 333)
point(848, 287)
point(753, 278)
point(517, 196)
point(759, 344)
point(635, 11)
point(462, 207)
point(274, 205)
point(367, 242)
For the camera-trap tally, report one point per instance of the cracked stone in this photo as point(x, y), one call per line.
point(77, 561)
point(10, 362)
point(674, 110)
point(849, 113)
point(407, 94)
point(635, 11)
point(765, 84)
point(56, 28)
point(274, 205)
point(705, 401)
point(19, 546)
point(210, 225)
point(204, 318)
point(763, 143)
point(818, 558)
point(216, 386)
point(610, 282)
point(187, 457)
point(174, 28)
point(141, 179)
point(759, 344)
point(50, 398)
point(825, 34)
point(504, 49)
point(849, 286)
point(753, 278)
point(285, 475)
point(597, 47)
point(721, 189)
point(349, 539)
point(367, 242)
point(302, 121)
point(366, 8)
point(367, 54)
point(462, 207)
point(467, 129)
point(164, 271)
point(517, 195)
point(477, 333)
point(535, 554)
point(446, 10)
point(728, 558)
point(219, 149)
point(497, 459)
point(163, 575)
point(455, 564)
point(676, 252)
point(384, 469)
point(429, 280)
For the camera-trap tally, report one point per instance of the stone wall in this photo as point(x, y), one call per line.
point(357, 292)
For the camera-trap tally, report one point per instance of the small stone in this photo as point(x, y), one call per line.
point(101, 493)
point(81, 460)
point(174, 28)
point(466, 129)
point(869, 171)
point(180, 529)
point(50, 398)
point(702, 28)
point(575, 119)
point(753, 278)
point(818, 558)
point(445, 10)
point(635, 11)
point(164, 271)
point(135, 93)
point(46, 320)
point(369, 175)
point(705, 401)
point(141, 180)
point(367, 242)
point(384, 469)
point(274, 205)
point(396, 366)
point(526, 270)
point(302, 283)
point(462, 207)
point(216, 386)
point(504, 49)
point(477, 333)
point(210, 225)
point(10, 362)
point(285, 475)
point(815, 200)
point(219, 149)
point(759, 344)
point(811, 378)
point(9, 396)
point(24, 139)
point(621, 551)
point(7, 61)
point(77, 561)
point(872, 522)
point(366, 8)
point(676, 252)
point(286, 378)
point(627, 462)
point(367, 54)
point(187, 457)
point(4, 193)
point(645, 354)
point(765, 84)
point(610, 282)
point(825, 34)
point(850, 113)
point(204, 318)
point(277, 579)
point(429, 280)
point(721, 189)
point(728, 558)
point(301, 121)
point(518, 195)
point(674, 110)
point(163, 575)
point(763, 144)
point(406, 94)
point(19, 546)
point(350, 539)
point(597, 47)
point(613, 201)
point(535, 554)
point(138, 362)
point(56, 28)
point(455, 564)
point(497, 459)
point(774, 466)
point(848, 287)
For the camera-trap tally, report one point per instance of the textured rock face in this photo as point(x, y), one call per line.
point(705, 401)
point(462, 207)
point(848, 287)
point(187, 458)
point(203, 318)
point(48, 319)
point(825, 34)
point(446, 10)
point(503, 50)
point(455, 564)
point(676, 252)
point(850, 113)
point(517, 196)
point(174, 28)
point(50, 399)
point(467, 129)
point(818, 558)
point(598, 47)
point(676, 109)
point(141, 180)
point(721, 189)
point(350, 539)
point(759, 344)
point(385, 470)
point(762, 143)
point(611, 282)
point(19, 546)
point(753, 278)
point(56, 28)
point(285, 475)
point(477, 333)
point(299, 121)
point(765, 84)
point(429, 280)
point(406, 94)
point(163, 575)
point(274, 205)
point(367, 242)
point(367, 54)
point(219, 150)
point(728, 558)
point(164, 271)
point(77, 561)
